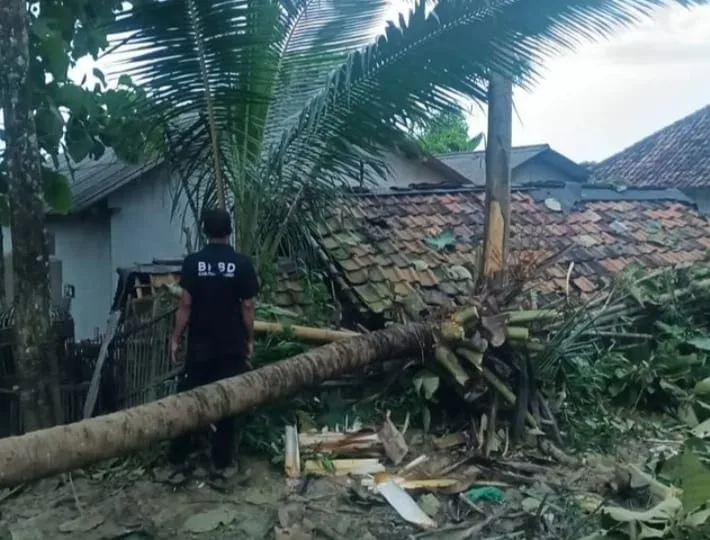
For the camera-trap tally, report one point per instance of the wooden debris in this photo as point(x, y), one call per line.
point(306, 333)
point(343, 467)
point(432, 484)
point(340, 444)
point(452, 440)
point(292, 462)
point(393, 441)
point(402, 502)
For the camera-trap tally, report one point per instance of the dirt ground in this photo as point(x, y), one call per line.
point(132, 499)
point(132, 504)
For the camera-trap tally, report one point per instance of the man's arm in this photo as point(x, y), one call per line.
point(182, 317)
point(248, 290)
point(248, 320)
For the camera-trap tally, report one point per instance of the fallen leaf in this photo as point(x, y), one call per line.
point(702, 430)
point(696, 519)
point(702, 343)
point(426, 384)
point(695, 479)
point(530, 505)
point(393, 441)
point(703, 387)
point(553, 204)
point(652, 523)
point(83, 523)
point(209, 520)
point(442, 240)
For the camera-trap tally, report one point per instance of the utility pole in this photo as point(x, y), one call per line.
point(498, 148)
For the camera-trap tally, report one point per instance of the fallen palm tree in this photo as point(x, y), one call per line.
point(490, 358)
point(479, 330)
point(64, 448)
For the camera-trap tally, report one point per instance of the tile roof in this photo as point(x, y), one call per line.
point(92, 180)
point(392, 249)
point(472, 165)
point(676, 156)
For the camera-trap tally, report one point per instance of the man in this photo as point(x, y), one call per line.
point(217, 306)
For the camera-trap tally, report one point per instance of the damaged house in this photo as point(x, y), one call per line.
point(417, 231)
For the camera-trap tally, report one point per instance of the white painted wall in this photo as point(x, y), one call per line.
point(142, 227)
point(83, 247)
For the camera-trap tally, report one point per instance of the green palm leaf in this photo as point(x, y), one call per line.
point(290, 97)
point(430, 61)
point(225, 77)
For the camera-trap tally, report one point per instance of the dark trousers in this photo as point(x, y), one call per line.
point(201, 369)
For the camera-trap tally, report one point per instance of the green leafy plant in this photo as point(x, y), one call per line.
point(447, 133)
point(272, 107)
point(74, 122)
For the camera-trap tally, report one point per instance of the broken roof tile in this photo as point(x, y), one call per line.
point(607, 237)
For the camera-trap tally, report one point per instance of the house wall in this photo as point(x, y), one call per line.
point(142, 225)
point(82, 260)
point(537, 171)
point(404, 172)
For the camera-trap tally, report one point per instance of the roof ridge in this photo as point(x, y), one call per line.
point(541, 146)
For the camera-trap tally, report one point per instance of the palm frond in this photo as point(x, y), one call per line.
point(429, 62)
point(218, 73)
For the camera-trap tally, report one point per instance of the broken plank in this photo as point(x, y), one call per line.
point(402, 502)
point(292, 461)
point(333, 442)
point(393, 441)
point(343, 467)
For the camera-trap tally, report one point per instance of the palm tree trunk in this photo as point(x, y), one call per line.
point(36, 363)
point(498, 149)
point(64, 448)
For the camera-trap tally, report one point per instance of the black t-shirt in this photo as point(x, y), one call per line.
point(218, 279)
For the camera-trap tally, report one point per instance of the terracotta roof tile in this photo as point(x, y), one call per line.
point(387, 263)
point(676, 156)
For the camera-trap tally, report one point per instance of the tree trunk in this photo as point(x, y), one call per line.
point(498, 148)
point(64, 448)
point(35, 359)
point(3, 291)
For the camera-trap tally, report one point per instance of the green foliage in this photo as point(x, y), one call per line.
point(56, 189)
point(645, 347)
point(447, 132)
point(74, 122)
point(283, 101)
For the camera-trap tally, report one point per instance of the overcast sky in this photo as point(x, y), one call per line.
point(607, 95)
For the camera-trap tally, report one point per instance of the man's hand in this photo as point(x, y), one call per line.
point(250, 349)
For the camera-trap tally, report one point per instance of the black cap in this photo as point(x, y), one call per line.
point(216, 223)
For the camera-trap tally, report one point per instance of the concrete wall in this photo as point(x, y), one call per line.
point(404, 172)
point(142, 227)
point(83, 247)
point(82, 260)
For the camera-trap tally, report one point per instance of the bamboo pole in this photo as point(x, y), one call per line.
point(306, 333)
